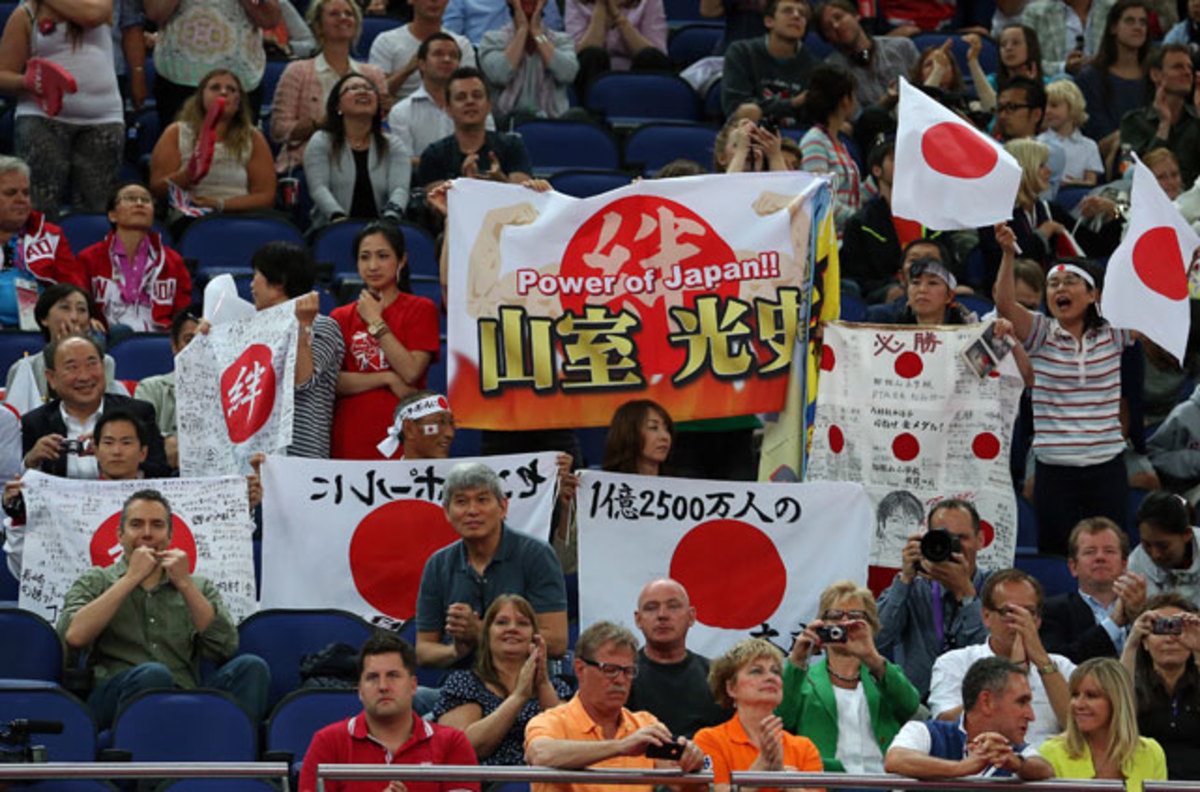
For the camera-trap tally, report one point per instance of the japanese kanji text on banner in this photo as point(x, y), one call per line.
point(687, 291)
point(754, 558)
point(72, 526)
point(356, 535)
point(900, 411)
point(234, 392)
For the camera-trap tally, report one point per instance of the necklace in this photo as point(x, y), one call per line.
point(850, 680)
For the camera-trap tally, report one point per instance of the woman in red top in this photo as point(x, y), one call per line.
point(391, 338)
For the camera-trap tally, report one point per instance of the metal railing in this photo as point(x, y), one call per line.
point(888, 781)
point(47, 771)
point(539, 775)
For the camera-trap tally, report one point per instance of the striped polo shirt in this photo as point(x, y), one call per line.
point(1076, 393)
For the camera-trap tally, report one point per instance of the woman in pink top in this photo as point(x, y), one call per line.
point(298, 109)
point(617, 35)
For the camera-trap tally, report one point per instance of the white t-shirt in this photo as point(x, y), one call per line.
point(393, 49)
point(856, 746)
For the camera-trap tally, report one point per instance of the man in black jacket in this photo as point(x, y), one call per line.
point(55, 437)
point(1094, 621)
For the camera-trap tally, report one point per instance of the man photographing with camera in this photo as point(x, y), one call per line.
point(932, 605)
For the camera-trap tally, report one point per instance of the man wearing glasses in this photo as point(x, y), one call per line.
point(1020, 110)
point(594, 729)
point(932, 607)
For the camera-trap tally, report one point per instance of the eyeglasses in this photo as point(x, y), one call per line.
point(612, 670)
point(136, 199)
point(1010, 107)
point(841, 615)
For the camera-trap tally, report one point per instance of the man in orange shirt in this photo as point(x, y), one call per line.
point(594, 729)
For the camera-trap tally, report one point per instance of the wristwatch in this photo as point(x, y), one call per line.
point(1048, 669)
point(377, 329)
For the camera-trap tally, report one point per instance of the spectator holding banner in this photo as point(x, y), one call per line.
point(146, 621)
point(423, 424)
point(1077, 438)
point(823, 700)
point(460, 581)
point(159, 390)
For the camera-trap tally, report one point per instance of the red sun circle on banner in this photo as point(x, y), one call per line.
point(906, 447)
point(837, 441)
point(388, 553)
point(985, 445)
point(732, 572)
point(105, 547)
point(828, 359)
point(955, 150)
point(248, 392)
point(1157, 261)
point(909, 365)
point(987, 532)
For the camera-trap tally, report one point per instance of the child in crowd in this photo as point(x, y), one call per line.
point(1065, 113)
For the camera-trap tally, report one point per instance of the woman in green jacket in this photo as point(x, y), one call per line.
point(852, 702)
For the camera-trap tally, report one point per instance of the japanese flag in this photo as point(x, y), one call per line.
point(1146, 286)
point(949, 175)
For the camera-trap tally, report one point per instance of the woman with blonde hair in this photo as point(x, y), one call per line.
point(239, 176)
point(749, 678)
point(1102, 740)
point(851, 682)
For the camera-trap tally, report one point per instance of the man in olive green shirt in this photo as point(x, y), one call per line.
point(146, 620)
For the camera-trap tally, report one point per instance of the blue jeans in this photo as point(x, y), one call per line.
point(246, 677)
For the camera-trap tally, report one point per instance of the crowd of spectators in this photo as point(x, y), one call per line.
point(952, 671)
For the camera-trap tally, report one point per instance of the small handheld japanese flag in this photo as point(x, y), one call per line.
point(949, 175)
point(1146, 286)
point(23, 394)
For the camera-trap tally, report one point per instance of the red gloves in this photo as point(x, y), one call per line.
point(48, 81)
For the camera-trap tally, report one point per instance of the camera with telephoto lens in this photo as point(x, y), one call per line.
point(15, 747)
point(939, 545)
point(831, 633)
point(1169, 625)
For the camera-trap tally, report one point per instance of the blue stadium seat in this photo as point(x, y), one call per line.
point(1136, 496)
point(1069, 197)
point(84, 229)
point(225, 242)
point(47, 701)
point(654, 145)
point(422, 250)
point(429, 288)
point(853, 308)
point(10, 589)
point(7, 127)
point(690, 43)
point(630, 98)
point(301, 714)
point(6, 10)
point(586, 183)
point(270, 81)
point(30, 649)
point(282, 637)
point(372, 27)
point(147, 131)
point(591, 442)
point(435, 377)
point(334, 244)
point(185, 726)
point(14, 344)
point(556, 145)
point(1050, 570)
point(1027, 533)
point(816, 46)
point(971, 302)
point(712, 102)
point(143, 355)
point(219, 785)
point(684, 11)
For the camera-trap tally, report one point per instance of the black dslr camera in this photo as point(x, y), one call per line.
point(940, 545)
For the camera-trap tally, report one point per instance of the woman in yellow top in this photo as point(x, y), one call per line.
point(749, 678)
point(1101, 740)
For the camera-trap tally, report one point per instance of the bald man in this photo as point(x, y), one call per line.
point(672, 682)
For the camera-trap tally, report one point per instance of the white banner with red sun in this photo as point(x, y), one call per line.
point(72, 526)
point(687, 291)
point(234, 393)
point(900, 411)
point(754, 558)
point(356, 535)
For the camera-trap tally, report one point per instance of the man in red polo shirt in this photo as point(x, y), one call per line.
point(387, 731)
